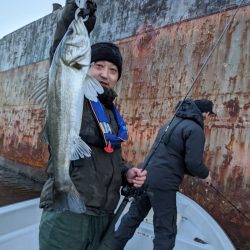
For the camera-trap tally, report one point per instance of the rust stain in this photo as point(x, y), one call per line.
point(145, 39)
point(20, 120)
point(246, 106)
point(17, 146)
point(233, 107)
point(233, 80)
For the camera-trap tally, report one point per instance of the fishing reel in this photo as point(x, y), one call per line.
point(130, 191)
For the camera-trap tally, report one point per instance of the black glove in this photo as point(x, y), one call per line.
point(90, 23)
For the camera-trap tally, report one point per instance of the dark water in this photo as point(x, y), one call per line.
point(15, 187)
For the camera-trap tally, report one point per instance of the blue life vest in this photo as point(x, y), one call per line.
point(112, 141)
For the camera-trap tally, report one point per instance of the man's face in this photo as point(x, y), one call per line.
point(206, 115)
point(105, 72)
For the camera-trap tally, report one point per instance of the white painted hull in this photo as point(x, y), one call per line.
point(193, 222)
point(19, 225)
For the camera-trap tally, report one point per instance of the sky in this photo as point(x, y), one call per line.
point(15, 14)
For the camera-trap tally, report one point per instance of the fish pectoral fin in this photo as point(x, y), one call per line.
point(92, 88)
point(39, 91)
point(74, 201)
point(79, 149)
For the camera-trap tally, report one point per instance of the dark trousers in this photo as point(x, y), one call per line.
point(164, 220)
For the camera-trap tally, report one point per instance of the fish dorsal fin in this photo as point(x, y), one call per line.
point(92, 88)
point(39, 92)
point(79, 149)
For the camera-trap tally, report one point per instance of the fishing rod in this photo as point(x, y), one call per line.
point(129, 191)
point(195, 79)
point(225, 198)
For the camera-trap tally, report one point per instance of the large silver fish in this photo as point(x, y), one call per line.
point(68, 84)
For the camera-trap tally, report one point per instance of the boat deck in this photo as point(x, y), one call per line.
point(197, 230)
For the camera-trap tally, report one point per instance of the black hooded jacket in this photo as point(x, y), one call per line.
point(180, 152)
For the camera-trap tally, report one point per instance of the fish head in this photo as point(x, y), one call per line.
point(75, 45)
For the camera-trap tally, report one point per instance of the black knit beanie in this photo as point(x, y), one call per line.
point(108, 52)
point(205, 105)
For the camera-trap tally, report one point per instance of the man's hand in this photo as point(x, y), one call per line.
point(136, 176)
point(90, 23)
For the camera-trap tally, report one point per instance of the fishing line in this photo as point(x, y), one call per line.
point(195, 80)
point(225, 198)
point(190, 89)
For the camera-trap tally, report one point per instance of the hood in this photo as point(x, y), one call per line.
point(189, 110)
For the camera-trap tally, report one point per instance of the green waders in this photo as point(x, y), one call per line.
point(70, 231)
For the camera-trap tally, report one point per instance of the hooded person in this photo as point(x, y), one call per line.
point(205, 106)
point(97, 178)
point(177, 152)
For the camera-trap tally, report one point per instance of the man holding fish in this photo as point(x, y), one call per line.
point(84, 131)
